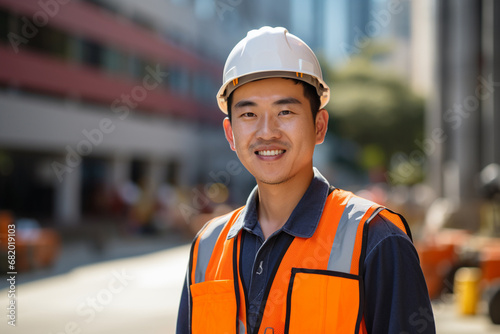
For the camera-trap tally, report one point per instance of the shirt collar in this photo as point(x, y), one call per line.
point(304, 218)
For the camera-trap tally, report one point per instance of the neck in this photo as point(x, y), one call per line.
point(277, 201)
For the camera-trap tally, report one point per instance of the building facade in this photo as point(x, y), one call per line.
point(97, 94)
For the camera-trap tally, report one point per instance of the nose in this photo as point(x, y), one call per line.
point(268, 128)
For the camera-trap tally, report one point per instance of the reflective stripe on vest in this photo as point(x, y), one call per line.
point(331, 259)
point(345, 237)
point(206, 245)
point(205, 242)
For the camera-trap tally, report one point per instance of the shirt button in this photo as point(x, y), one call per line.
point(260, 269)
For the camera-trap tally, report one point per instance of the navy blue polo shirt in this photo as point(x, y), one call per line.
point(396, 297)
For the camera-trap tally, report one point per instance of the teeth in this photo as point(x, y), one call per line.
point(270, 152)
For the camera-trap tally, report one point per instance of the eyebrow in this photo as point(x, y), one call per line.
point(244, 103)
point(287, 100)
point(247, 103)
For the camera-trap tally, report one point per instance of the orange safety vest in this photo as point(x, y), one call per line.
point(317, 287)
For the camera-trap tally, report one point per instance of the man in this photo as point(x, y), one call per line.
point(301, 256)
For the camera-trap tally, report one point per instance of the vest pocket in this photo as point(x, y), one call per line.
point(214, 307)
point(322, 301)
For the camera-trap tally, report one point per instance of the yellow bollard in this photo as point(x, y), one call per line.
point(467, 290)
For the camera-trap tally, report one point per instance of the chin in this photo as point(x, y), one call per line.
point(276, 180)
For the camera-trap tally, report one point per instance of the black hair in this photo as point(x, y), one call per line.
point(309, 93)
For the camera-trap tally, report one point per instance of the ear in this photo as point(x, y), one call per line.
point(228, 131)
point(321, 125)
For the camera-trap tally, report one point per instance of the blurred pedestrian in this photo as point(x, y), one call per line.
point(301, 256)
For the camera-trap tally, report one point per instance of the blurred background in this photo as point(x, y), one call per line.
point(111, 145)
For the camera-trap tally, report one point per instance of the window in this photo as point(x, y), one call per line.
point(114, 61)
point(51, 41)
point(92, 53)
point(4, 25)
point(179, 80)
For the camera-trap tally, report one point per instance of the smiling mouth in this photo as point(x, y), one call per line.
point(270, 153)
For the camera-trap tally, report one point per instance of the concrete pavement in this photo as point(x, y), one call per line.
point(133, 295)
point(448, 321)
point(140, 295)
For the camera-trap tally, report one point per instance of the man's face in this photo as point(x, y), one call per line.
point(273, 131)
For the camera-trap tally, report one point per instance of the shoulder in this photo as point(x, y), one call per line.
point(387, 240)
point(213, 226)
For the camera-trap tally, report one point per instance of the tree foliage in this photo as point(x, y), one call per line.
point(375, 108)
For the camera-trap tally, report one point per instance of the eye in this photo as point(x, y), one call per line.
point(247, 115)
point(285, 112)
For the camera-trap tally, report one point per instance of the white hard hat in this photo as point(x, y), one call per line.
point(269, 53)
